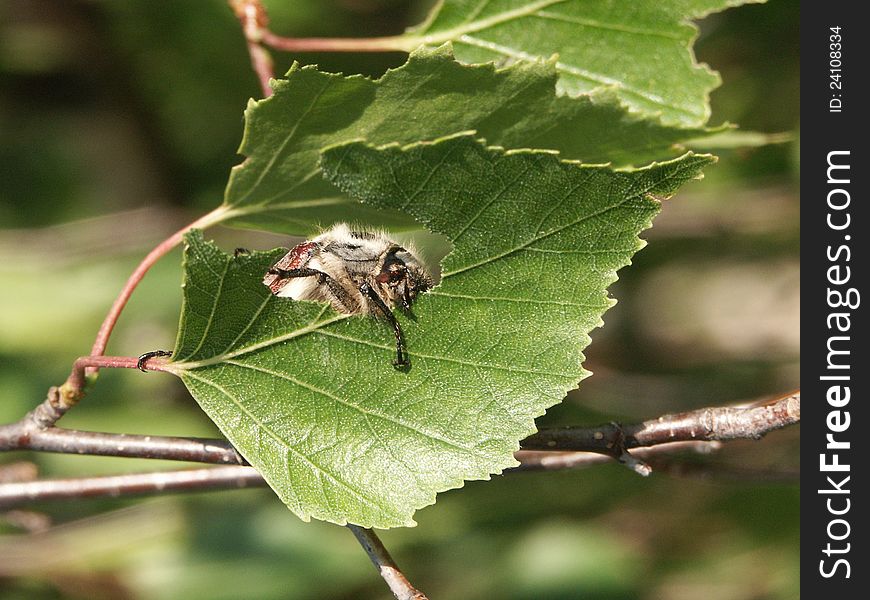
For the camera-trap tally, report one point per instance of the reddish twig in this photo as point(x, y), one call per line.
point(164, 247)
point(386, 566)
point(255, 21)
point(73, 389)
point(255, 25)
point(393, 43)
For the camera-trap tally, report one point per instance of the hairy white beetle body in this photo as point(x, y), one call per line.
point(357, 272)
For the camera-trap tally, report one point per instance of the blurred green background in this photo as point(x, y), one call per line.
point(118, 124)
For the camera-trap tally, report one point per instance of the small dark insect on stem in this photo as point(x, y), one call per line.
point(144, 358)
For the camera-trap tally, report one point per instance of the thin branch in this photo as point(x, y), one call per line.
point(152, 257)
point(20, 436)
point(546, 460)
point(16, 493)
point(255, 21)
point(114, 486)
point(696, 430)
point(707, 424)
point(73, 389)
point(558, 448)
point(386, 566)
point(699, 430)
point(216, 478)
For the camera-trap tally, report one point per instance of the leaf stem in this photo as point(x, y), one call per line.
point(152, 257)
point(392, 43)
point(85, 365)
point(255, 25)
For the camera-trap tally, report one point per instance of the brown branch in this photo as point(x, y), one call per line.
point(556, 448)
point(215, 478)
point(189, 480)
point(698, 430)
point(547, 460)
point(386, 566)
point(24, 436)
point(707, 424)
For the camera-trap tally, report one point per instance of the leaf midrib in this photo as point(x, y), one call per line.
point(366, 412)
point(576, 71)
point(537, 238)
point(472, 26)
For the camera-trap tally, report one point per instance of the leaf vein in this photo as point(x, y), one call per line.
point(515, 300)
point(267, 168)
point(577, 72)
point(447, 359)
point(223, 277)
point(537, 238)
point(288, 448)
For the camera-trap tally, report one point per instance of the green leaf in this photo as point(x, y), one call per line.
point(279, 186)
point(642, 49)
point(310, 397)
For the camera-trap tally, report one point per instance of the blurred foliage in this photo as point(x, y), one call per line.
point(118, 124)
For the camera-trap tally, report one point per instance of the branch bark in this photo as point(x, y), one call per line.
point(113, 486)
point(707, 424)
point(558, 448)
point(70, 441)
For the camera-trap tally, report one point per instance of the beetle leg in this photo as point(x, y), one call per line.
point(290, 273)
point(401, 353)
